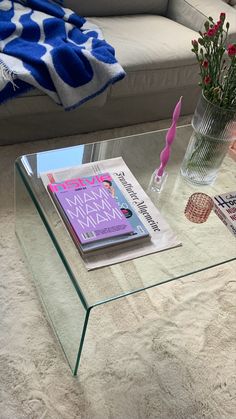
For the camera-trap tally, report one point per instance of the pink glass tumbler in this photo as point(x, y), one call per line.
point(198, 207)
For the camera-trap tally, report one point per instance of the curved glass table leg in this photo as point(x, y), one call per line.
point(63, 302)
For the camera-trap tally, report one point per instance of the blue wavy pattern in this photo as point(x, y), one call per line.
point(54, 50)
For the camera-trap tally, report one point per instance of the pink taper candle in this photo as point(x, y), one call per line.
point(170, 136)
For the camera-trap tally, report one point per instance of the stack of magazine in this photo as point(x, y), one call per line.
point(107, 213)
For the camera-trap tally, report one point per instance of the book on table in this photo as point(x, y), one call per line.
point(225, 208)
point(96, 213)
point(150, 231)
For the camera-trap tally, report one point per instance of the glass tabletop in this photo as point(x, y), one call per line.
point(203, 245)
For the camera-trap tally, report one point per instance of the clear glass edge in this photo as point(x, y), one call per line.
point(55, 242)
point(61, 254)
point(103, 141)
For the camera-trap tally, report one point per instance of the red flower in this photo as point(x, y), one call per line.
point(207, 80)
point(205, 64)
point(222, 16)
point(211, 32)
point(231, 50)
point(217, 73)
point(194, 43)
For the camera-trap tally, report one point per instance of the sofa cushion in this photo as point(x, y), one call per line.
point(153, 58)
point(231, 2)
point(36, 102)
point(116, 7)
point(194, 13)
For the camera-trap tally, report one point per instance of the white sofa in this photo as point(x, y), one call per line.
point(231, 3)
point(152, 40)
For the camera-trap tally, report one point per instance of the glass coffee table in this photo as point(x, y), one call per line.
point(67, 290)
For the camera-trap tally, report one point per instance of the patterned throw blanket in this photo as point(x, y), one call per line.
point(49, 47)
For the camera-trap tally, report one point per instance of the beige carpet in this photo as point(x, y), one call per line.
point(169, 353)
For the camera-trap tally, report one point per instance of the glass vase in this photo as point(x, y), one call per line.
point(214, 128)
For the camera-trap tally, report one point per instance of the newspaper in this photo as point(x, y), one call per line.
point(161, 235)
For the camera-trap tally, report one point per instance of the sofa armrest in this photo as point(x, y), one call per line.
point(193, 14)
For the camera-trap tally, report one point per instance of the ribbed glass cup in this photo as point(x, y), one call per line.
point(214, 128)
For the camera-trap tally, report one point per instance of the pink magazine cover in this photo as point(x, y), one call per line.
point(92, 212)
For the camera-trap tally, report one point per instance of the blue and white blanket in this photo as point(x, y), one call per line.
point(49, 47)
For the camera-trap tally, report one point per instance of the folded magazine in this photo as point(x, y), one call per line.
point(161, 236)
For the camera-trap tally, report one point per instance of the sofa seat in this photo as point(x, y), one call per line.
point(152, 40)
point(36, 102)
point(153, 58)
point(231, 3)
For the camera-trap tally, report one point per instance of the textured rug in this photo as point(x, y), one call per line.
point(168, 353)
